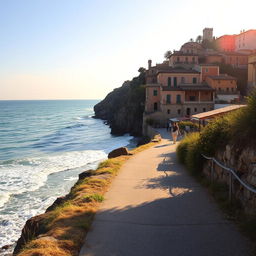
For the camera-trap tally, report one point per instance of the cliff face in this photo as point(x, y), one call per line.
point(123, 108)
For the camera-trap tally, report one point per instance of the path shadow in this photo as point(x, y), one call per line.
point(170, 226)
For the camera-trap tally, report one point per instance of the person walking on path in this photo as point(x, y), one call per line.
point(175, 132)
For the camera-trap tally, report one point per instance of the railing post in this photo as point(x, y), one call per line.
point(212, 169)
point(230, 186)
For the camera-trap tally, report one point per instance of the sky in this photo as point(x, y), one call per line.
point(83, 49)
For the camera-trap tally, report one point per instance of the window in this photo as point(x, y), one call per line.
point(206, 70)
point(175, 81)
point(193, 59)
point(186, 59)
point(178, 111)
point(178, 59)
point(169, 81)
point(194, 80)
point(227, 89)
point(219, 89)
point(155, 93)
point(155, 106)
point(178, 99)
point(204, 109)
point(168, 111)
point(188, 111)
point(183, 80)
point(168, 98)
point(192, 98)
point(232, 89)
point(195, 109)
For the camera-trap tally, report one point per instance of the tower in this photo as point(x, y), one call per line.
point(208, 34)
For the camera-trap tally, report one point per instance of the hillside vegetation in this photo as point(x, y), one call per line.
point(237, 128)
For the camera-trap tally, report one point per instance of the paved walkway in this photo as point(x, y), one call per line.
point(154, 208)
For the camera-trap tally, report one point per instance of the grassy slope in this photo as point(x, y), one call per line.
point(67, 225)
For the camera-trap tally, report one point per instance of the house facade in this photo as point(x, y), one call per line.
point(176, 92)
point(225, 88)
point(252, 71)
point(246, 40)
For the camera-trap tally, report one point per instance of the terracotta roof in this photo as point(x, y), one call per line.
point(220, 111)
point(177, 70)
point(196, 87)
point(153, 85)
point(179, 53)
point(222, 77)
point(189, 87)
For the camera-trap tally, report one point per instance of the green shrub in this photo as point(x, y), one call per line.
point(182, 148)
point(215, 135)
point(191, 125)
point(194, 160)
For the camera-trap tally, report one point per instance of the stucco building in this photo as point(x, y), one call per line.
point(225, 87)
point(226, 43)
point(246, 40)
point(252, 71)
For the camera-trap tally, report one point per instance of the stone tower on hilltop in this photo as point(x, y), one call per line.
point(208, 34)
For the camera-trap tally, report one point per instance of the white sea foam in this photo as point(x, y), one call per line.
point(32, 188)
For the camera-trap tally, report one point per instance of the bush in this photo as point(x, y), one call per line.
point(192, 126)
point(189, 152)
point(215, 135)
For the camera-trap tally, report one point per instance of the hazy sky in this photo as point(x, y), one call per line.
point(83, 49)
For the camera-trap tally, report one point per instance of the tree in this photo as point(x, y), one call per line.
point(142, 70)
point(199, 39)
point(167, 54)
point(191, 40)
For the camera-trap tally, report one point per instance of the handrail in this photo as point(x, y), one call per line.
point(231, 171)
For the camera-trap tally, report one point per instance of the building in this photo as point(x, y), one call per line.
point(225, 88)
point(192, 47)
point(176, 92)
point(226, 43)
point(235, 59)
point(208, 34)
point(185, 60)
point(246, 40)
point(252, 71)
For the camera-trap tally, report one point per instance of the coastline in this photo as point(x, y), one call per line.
point(77, 208)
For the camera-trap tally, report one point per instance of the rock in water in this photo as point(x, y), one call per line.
point(118, 152)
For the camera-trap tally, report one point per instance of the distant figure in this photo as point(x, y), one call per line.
point(167, 126)
point(170, 126)
point(175, 132)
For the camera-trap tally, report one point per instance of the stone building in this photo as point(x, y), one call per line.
point(208, 34)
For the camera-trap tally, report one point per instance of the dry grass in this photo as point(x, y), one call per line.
point(67, 224)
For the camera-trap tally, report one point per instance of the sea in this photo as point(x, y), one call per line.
point(44, 145)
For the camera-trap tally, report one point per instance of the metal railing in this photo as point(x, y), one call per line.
point(232, 174)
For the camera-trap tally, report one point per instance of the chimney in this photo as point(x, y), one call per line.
point(149, 64)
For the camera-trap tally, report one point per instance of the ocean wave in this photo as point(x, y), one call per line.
point(30, 174)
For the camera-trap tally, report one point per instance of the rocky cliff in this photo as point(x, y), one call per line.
point(123, 108)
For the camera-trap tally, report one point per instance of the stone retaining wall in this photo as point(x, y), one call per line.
point(244, 163)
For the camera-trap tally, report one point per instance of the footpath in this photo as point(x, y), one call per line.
point(154, 208)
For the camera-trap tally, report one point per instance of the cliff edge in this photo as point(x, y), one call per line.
point(123, 107)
